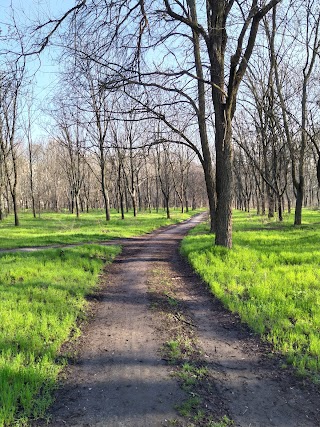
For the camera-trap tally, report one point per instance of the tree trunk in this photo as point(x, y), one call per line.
point(76, 202)
point(106, 202)
point(186, 200)
point(289, 203)
point(224, 181)
point(210, 186)
point(280, 211)
point(15, 209)
point(167, 207)
point(299, 201)
point(134, 202)
point(271, 203)
point(121, 205)
point(31, 180)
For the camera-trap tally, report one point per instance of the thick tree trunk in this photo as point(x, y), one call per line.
point(210, 186)
point(224, 182)
point(271, 203)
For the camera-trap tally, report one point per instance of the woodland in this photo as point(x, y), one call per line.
point(164, 103)
point(159, 111)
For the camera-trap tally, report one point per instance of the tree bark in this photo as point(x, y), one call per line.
point(224, 181)
point(299, 202)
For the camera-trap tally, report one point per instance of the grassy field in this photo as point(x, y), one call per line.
point(64, 228)
point(43, 299)
point(271, 278)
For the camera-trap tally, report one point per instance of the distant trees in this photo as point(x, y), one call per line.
point(66, 176)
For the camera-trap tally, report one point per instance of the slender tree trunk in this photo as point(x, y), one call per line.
point(157, 194)
point(121, 206)
point(207, 158)
point(15, 208)
point(167, 206)
point(106, 203)
point(31, 179)
point(299, 202)
point(76, 202)
point(134, 203)
point(280, 210)
point(289, 203)
point(105, 194)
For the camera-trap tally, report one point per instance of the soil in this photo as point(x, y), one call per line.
point(125, 373)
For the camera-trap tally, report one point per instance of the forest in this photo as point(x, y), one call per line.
point(136, 111)
point(162, 179)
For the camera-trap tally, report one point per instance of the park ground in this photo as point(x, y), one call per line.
point(158, 349)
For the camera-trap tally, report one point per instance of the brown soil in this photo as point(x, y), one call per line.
point(125, 375)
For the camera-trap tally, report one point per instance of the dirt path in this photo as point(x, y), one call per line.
point(121, 379)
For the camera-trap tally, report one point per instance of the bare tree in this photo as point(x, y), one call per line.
point(10, 90)
point(211, 34)
point(311, 42)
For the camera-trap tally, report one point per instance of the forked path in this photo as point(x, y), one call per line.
point(119, 378)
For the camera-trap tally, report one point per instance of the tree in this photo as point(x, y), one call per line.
point(310, 40)
point(10, 90)
point(28, 135)
point(107, 32)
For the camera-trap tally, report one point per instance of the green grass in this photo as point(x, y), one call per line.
point(189, 406)
point(271, 278)
point(42, 298)
point(65, 228)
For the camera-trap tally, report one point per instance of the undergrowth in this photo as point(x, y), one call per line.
point(271, 277)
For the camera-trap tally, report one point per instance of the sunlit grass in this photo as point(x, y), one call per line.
point(65, 228)
point(271, 278)
point(42, 297)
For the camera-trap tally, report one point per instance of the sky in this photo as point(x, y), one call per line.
point(44, 70)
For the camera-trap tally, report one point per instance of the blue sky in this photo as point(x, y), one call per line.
point(31, 12)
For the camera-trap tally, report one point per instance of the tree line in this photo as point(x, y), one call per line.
point(64, 175)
